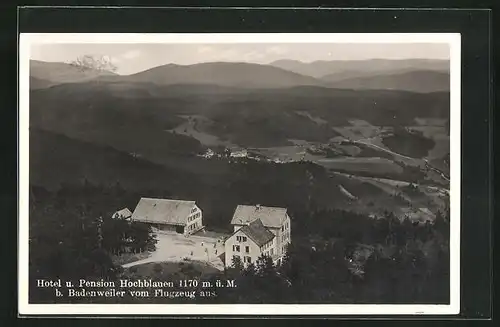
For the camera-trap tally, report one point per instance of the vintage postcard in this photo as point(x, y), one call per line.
point(239, 174)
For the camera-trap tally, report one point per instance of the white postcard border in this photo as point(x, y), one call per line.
point(25, 308)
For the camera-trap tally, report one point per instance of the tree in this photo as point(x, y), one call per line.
point(236, 263)
point(93, 62)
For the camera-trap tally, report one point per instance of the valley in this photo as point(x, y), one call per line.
point(356, 153)
point(358, 138)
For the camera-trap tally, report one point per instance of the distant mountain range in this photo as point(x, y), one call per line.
point(406, 75)
point(245, 75)
point(328, 70)
point(415, 81)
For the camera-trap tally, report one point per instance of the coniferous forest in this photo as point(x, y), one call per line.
point(336, 256)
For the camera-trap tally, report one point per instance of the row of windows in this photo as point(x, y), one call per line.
point(267, 246)
point(241, 238)
point(236, 248)
point(285, 226)
point(193, 217)
point(285, 236)
point(193, 226)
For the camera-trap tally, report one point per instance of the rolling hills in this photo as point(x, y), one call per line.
point(157, 115)
point(56, 159)
point(357, 68)
point(140, 114)
point(422, 81)
point(229, 74)
point(372, 74)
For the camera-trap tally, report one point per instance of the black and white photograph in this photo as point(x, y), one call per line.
point(277, 173)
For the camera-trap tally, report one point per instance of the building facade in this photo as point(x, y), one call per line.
point(183, 217)
point(261, 230)
point(248, 243)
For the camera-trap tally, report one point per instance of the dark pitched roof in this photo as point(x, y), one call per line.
point(257, 232)
point(270, 216)
point(163, 211)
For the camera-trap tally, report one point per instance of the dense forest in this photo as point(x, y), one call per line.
point(408, 263)
point(72, 236)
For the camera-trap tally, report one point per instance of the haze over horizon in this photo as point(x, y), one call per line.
point(134, 58)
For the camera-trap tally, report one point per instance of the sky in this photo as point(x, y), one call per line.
point(133, 58)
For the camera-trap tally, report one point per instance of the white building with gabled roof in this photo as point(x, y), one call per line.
point(182, 216)
point(258, 230)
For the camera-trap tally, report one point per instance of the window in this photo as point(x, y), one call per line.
point(236, 248)
point(271, 252)
point(247, 249)
point(241, 238)
point(248, 259)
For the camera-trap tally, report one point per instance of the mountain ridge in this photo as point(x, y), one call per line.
point(227, 77)
point(321, 68)
point(421, 81)
point(234, 74)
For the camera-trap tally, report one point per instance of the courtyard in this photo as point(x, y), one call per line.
point(173, 247)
